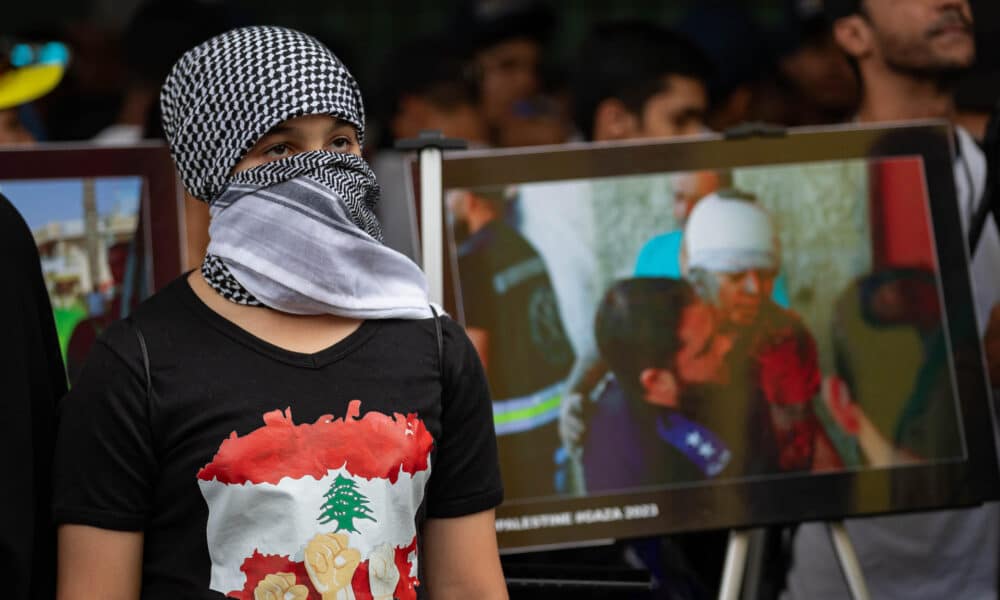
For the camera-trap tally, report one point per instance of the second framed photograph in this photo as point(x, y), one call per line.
point(721, 333)
point(107, 222)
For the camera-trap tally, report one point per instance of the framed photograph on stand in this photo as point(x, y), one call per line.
point(108, 222)
point(719, 332)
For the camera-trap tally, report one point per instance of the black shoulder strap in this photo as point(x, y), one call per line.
point(440, 337)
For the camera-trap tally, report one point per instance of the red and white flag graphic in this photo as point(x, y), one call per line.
point(320, 511)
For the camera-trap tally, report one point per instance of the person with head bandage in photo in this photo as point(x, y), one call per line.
point(731, 253)
point(294, 414)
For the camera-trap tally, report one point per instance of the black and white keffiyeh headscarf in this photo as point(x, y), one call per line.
point(297, 234)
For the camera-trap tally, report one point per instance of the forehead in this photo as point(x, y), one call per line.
point(681, 91)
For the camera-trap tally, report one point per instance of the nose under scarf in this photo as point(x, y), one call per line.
point(284, 233)
point(218, 101)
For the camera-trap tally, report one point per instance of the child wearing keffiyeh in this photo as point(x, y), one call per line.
point(293, 419)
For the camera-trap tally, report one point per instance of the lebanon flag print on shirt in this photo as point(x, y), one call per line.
point(318, 511)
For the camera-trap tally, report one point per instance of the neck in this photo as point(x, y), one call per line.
point(893, 96)
point(296, 333)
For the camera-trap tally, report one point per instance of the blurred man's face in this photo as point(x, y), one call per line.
point(678, 110)
point(703, 349)
point(923, 36)
point(740, 294)
point(12, 130)
point(508, 72)
point(688, 189)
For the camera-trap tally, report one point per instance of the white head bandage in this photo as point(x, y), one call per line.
point(730, 234)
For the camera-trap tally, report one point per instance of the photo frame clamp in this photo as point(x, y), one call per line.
point(750, 129)
point(429, 144)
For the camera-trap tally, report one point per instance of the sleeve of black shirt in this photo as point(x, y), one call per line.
point(105, 465)
point(466, 477)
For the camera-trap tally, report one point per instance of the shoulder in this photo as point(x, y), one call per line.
point(163, 321)
point(660, 255)
point(668, 240)
point(166, 302)
point(15, 237)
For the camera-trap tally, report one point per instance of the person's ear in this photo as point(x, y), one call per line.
point(660, 386)
point(613, 121)
point(854, 35)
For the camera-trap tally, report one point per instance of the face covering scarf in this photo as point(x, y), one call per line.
point(286, 235)
point(297, 235)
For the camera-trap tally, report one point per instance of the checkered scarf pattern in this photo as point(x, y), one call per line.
point(289, 235)
point(222, 96)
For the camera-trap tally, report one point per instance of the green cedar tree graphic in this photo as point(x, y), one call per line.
point(344, 503)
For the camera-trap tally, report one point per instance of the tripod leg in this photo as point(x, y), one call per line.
point(848, 560)
point(736, 560)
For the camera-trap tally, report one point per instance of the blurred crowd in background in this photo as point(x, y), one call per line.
point(510, 73)
point(495, 73)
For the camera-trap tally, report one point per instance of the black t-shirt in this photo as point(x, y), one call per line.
point(243, 461)
point(506, 291)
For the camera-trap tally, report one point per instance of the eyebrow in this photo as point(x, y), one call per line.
point(280, 129)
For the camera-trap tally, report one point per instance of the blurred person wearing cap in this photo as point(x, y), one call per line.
point(908, 56)
point(636, 80)
point(504, 43)
point(731, 254)
point(513, 318)
point(27, 72)
point(424, 86)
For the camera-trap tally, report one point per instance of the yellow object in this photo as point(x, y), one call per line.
point(23, 85)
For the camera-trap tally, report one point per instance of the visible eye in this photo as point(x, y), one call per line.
point(277, 151)
point(342, 143)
